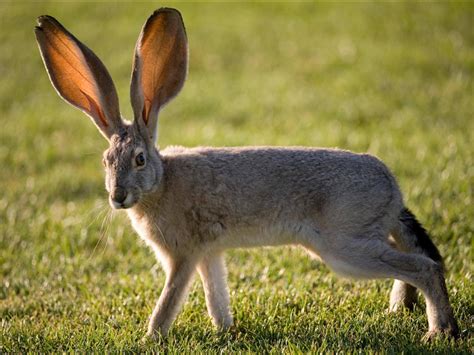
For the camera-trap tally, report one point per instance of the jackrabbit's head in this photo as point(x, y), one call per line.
point(133, 165)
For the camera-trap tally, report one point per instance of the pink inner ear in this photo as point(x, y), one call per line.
point(95, 109)
point(146, 110)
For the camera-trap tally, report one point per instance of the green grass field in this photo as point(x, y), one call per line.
point(395, 80)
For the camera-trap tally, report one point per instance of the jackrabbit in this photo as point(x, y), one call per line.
point(190, 205)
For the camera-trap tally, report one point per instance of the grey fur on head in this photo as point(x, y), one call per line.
point(190, 205)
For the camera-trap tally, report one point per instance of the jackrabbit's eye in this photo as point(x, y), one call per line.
point(140, 159)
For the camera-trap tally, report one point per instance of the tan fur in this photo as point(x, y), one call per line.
point(190, 205)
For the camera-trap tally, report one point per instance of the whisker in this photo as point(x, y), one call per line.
point(101, 210)
point(162, 236)
point(104, 222)
point(111, 216)
point(148, 205)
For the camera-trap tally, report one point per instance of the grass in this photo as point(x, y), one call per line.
point(391, 79)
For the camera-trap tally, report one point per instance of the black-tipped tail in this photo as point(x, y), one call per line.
point(423, 240)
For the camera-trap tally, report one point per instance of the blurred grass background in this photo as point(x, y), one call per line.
point(391, 79)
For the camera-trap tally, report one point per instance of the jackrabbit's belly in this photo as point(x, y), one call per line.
point(264, 235)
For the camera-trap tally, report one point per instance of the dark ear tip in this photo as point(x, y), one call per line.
point(165, 10)
point(41, 20)
point(45, 20)
point(169, 12)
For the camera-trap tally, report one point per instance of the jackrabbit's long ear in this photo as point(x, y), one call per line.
point(78, 75)
point(159, 67)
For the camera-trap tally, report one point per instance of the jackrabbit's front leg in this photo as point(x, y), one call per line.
point(214, 280)
point(172, 296)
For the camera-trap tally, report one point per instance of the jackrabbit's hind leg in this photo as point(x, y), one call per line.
point(373, 258)
point(410, 236)
point(214, 279)
point(402, 295)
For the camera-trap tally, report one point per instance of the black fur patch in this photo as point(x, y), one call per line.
point(423, 240)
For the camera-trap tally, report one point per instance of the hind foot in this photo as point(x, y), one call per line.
point(451, 331)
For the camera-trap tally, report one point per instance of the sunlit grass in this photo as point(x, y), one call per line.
point(391, 79)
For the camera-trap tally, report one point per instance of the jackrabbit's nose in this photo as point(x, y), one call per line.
point(119, 194)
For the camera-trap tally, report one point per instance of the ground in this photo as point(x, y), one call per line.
point(395, 80)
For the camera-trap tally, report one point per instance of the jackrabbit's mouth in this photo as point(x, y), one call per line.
point(129, 201)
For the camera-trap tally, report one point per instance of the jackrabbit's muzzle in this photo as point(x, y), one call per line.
point(120, 198)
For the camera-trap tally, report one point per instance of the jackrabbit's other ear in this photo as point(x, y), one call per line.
point(78, 75)
point(159, 67)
